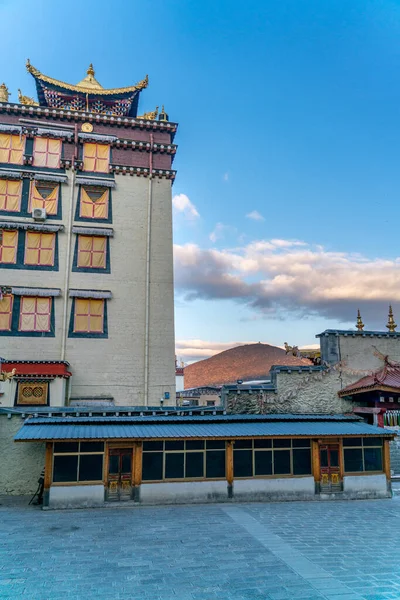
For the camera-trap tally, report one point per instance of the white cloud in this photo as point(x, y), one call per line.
point(218, 232)
point(182, 204)
point(293, 276)
point(255, 216)
point(191, 350)
point(226, 177)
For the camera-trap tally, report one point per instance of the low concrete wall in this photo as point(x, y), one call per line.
point(290, 488)
point(366, 486)
point(185, 491)
point(76, 496)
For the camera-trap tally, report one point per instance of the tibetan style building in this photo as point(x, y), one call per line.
point(86, 302)
point(180, 456)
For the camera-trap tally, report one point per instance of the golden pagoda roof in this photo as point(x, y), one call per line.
point(88, 85)
point(89, 81)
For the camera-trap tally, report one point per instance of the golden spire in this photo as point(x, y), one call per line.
point(163, 115)
point(360, 324)
point(4, 94)
point(391, 325)
point(89, 81)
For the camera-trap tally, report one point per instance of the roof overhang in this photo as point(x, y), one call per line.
point(220, 427)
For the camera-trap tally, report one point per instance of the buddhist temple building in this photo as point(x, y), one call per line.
point(86, 287)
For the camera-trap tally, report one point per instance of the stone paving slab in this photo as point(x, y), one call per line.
point(272, 551)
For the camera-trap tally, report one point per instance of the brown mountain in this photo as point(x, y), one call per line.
point(252, 361)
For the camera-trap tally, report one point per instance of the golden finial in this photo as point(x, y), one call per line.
point(90, 70)
point(4, 93)
point(360, 324)
point(391, 325)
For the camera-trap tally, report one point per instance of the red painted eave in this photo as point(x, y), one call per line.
point(33, 368)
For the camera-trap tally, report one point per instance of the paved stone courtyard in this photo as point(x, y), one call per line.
point(287, 551)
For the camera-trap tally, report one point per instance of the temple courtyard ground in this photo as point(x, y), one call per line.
point(288, 551)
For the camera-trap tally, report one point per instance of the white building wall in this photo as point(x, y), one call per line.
point(114, 366)
point(21, 463)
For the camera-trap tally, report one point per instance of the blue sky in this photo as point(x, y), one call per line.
point(289, 112)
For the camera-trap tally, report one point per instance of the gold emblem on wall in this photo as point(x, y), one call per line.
point(32, 393)
point(87, 127)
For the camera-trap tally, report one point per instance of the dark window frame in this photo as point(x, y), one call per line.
point(278, 445)
point(362, 444)
point(185, 451)
point(78, 453)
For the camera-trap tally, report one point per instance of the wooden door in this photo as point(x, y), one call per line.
point(330, 468)
point(119, 477)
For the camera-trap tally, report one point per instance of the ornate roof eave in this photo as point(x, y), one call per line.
point(371, 388)
point(90, 90)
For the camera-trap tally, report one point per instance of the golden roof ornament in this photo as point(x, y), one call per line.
point(391, 325)
point(163, 115)
point(360, 324)
point(27, 100)
point(4, 375)
point(4, 94)
point(150, 116)
point(90, 81)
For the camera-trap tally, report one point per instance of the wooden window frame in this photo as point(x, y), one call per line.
point(85, 189)
point(184, 452)
point(35, 313)
point(8, 195)
point(362, 447)
point(11, 149)
point(40, 249)
point(88, 315)
point(22, 384)
point(91, 252)
point(15, 247)
point(47, 153)
point(10, 312)
point(273, 450)
point(96, 157)
point(33, 199)
point(79, 453)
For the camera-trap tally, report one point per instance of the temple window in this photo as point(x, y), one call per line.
point(89, 315)
point(78, 461)
point(6, 306)
point(44, 195)
point(35, 314)
point(96, 157)
point(362, 454)
point(10, 195)
point(39, 248)
point(179, 459)
point(263, 457)
point(47, 153)
point(94, 203)
point(8, 246)
point(32, 393)
point(92, 252)
point(11, 148)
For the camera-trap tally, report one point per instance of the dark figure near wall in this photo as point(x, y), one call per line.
point(39, 491)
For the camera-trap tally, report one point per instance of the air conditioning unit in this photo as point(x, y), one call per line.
point(39, 214)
